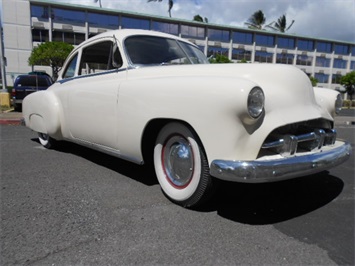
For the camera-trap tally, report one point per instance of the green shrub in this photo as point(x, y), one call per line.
point(348, 103)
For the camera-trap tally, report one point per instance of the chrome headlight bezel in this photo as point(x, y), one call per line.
point(338, 104)
point(256, 102)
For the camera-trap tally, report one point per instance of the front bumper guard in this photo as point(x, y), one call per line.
point(275, 169)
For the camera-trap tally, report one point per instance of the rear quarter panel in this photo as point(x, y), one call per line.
point(41, 112)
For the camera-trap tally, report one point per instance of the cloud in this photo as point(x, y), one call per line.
point(327, 19)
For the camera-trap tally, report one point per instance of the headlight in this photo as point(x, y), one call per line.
point(256, 101)
point(338, 104)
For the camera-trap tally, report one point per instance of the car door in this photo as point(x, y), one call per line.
point(92, 96)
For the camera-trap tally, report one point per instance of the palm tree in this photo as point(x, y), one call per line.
point(99, 2)
point(256, 21)
point(200, 19)
point(281, 24)
point(170, 3)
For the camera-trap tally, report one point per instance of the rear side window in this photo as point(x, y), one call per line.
point(32, 81)
point(98, 58)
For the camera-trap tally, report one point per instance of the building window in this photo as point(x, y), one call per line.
point(322, 62)
point(192, 32)
point(40, 12)
point(352, 65)
point(284, 58)
point(263, 57)
point(166, 27)
point(68, 16)
point(305, 45)
point(57, 36)
point(304, 60)
point(40, 35)
point(353, 51)
point(339, 63)
point(135, 23)
point(321, 77)
point(336, 78)
point(287, 43)
point(341, 49)
point(212, 50)
point(324, 47)
point(218, 35)
point(241, 54)
point(68, 37)
point(74, 38)
point(264, 40)
point(103, 20)
point(242, 37)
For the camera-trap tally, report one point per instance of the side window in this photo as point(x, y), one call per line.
point(70, 70)
point(98, 58)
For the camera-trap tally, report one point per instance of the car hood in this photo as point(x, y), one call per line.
point(286, 88)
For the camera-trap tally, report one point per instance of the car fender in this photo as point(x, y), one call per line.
point(41, 113)
point(326, 99)
point(215, 107)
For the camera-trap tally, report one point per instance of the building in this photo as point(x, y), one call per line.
point(27, 23)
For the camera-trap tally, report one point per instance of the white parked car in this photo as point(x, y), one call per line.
point(146, 96)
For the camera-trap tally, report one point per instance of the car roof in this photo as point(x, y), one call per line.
point(122, 34)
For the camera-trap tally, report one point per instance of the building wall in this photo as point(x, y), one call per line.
point(17, 37)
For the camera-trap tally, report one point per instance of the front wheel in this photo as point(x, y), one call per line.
point(181, 166)
point(46, 140)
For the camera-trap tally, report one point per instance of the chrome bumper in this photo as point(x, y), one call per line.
point(275, 169)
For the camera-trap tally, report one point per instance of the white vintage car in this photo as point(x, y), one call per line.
point(146, 96)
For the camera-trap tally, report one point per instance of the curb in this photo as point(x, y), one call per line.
point(6, 119)
point(14, 122)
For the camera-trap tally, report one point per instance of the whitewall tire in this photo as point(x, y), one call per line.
point(181, 165)
point(46, 141)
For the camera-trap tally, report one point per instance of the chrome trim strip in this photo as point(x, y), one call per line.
point(65, 80)
point(270, 170)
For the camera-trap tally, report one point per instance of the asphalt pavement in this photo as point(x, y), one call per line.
point(76, 206)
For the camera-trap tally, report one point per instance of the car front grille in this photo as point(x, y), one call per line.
point(302, 137)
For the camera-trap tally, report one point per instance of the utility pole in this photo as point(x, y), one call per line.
point(2, 59)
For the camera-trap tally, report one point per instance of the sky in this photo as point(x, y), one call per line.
point(326, 19)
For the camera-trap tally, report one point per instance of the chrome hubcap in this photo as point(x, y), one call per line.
point(178, 162)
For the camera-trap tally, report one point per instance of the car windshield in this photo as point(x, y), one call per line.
point(150, 50)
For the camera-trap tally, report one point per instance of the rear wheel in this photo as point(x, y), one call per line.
point(46, 140)
point(181, 166)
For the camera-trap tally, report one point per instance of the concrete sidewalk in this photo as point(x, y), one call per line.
point(11, 117)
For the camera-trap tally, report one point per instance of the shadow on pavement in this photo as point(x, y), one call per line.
point(270, 203)
point(141, 173)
